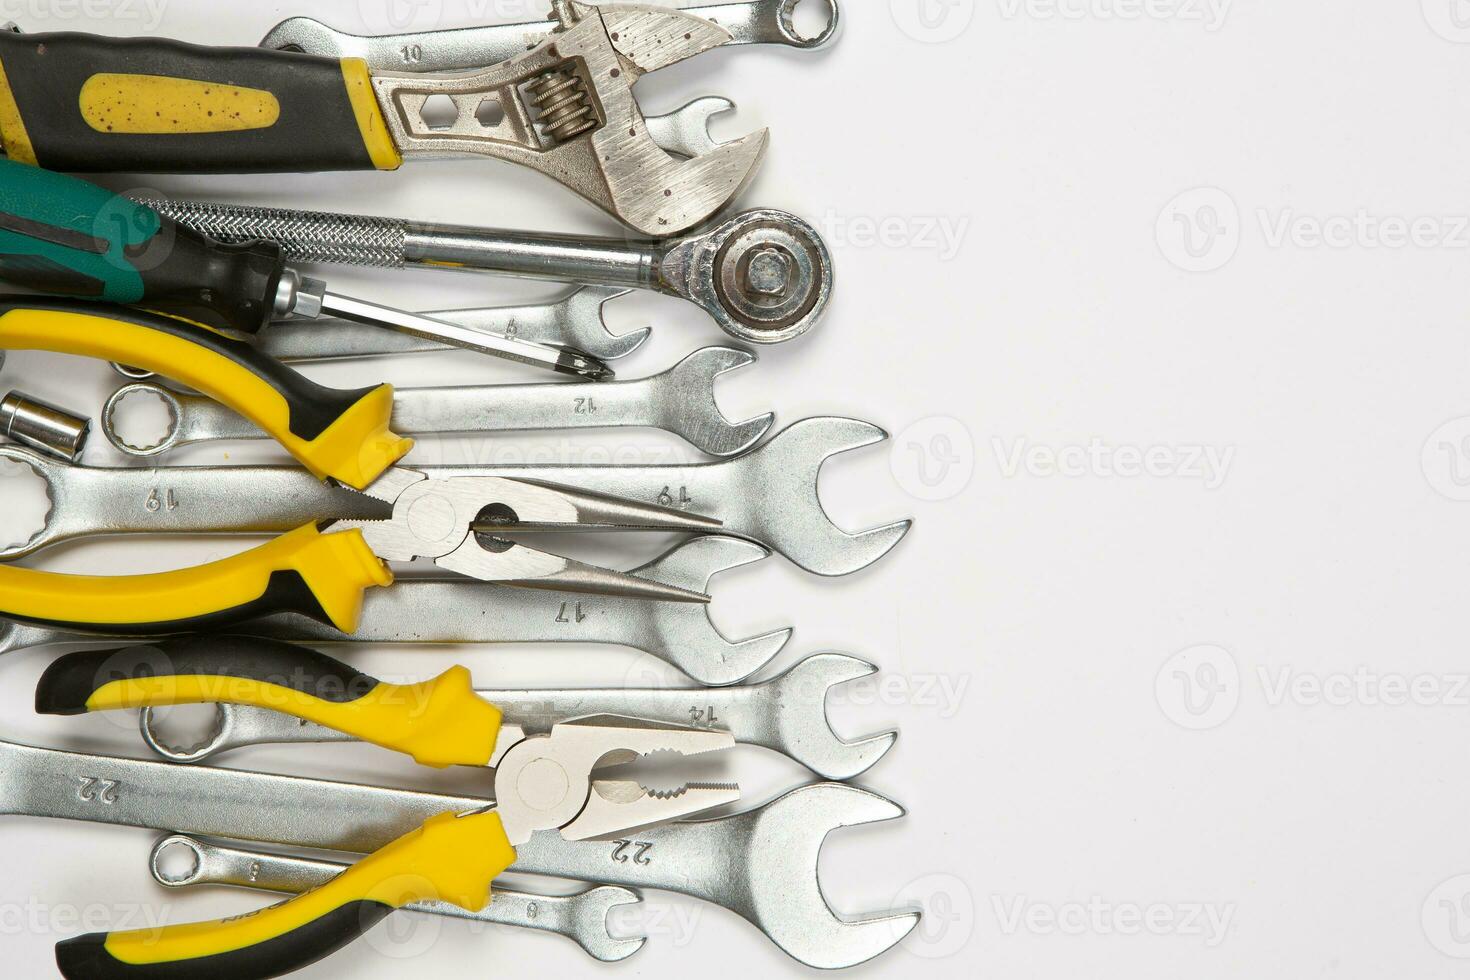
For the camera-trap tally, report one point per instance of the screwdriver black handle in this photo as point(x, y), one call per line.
point(85, 103)
point(64, 236)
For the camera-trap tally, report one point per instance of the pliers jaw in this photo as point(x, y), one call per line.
point(545, 782)
point(460, 523)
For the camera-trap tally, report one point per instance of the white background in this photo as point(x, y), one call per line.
point(1191, 718)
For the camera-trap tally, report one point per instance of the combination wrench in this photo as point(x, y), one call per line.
point(786, 714)
point(575, 320)
point(582, 918)
point(768, 495)
point(681, 400)
point(761, 864)
point(458, 611)
point(465, 48)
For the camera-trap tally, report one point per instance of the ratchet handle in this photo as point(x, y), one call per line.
point(64, 236)
point(344, 435)
point(321, 576)
point(441, 722)
point(87, 103)
point(450, 858)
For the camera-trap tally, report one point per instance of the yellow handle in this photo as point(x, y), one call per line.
point(441, 722)
point(340, 434)
point(319, 575)
point(450, 859)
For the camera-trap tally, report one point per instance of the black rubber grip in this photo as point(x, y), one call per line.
point(287, 592)
point(69, 683)
point(76, 121)
point(313, 408)
point(87, 957)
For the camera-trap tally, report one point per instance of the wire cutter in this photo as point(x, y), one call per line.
point(542, 783)
point(80, 102)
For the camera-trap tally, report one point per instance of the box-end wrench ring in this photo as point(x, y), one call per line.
point(680, 400)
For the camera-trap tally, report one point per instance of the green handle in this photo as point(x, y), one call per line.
point(66, 237)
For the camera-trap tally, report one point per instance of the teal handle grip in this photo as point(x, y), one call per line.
point(63, 236)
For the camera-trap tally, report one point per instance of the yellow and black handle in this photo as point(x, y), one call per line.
point(344, 435)
point(441, 722)
point(321, 576)
point(82, 102)
point(451, 859)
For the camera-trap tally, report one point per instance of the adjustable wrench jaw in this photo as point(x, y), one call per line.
point(566, 108)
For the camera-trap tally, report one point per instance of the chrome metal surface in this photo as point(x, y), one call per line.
point(769, 496)
point(464, 48)
point(725, 269)
point(761, 864)
point(787, 714)
point(582, 918)
point(560, 360)
point(459, 611)
point(681, 400)
point(566, 108)
point(43, 426)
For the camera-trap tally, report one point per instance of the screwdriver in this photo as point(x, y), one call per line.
point(63, 236)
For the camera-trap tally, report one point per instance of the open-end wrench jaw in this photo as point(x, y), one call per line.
point(567, 109)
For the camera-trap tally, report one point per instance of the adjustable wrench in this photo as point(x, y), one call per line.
point(582, 917)
point(457, 611)
point(761, 864)
point(460, 49)
point(786, 714)
point(681, 400)
point(769, 496)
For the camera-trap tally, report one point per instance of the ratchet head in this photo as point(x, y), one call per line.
point(765, 276)
point(545, 782)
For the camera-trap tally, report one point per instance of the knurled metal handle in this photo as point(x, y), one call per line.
point(304, 236)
